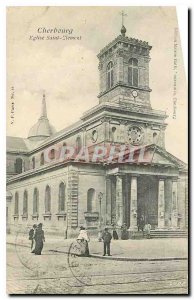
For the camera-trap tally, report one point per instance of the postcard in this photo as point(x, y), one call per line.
point(97, 175)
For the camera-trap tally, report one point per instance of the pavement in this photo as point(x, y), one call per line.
point(163, 249)
point(59, 273)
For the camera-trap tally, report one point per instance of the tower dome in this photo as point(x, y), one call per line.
point(123, 30)
point(42, 129)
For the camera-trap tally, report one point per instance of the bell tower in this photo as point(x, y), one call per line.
point(124, 98)
point(124, 71)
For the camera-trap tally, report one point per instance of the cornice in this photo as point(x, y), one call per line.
point(131, 41)
point(121, 84)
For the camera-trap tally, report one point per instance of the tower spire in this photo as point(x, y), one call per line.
point(43, 108)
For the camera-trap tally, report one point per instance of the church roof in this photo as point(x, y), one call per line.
point(16, 144)
point(43, 128)
point(61, 133)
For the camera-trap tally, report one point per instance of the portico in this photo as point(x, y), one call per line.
point(134, 194)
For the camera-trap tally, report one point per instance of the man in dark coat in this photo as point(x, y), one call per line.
point(106, 239)
point(39, 239)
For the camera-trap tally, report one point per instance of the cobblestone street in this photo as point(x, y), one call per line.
point(60, 273)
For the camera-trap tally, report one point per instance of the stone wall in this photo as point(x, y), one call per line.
point(78, 180)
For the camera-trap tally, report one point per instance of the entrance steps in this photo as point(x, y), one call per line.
point(169, 233)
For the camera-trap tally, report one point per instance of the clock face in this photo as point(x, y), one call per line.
point(135, 135)
point(134, 93)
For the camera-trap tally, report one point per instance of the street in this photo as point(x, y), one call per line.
point(62, 273)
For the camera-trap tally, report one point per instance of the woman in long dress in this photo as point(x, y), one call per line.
point(124, 232)
point(83, 240)
point(114, 233)
point(39, 239)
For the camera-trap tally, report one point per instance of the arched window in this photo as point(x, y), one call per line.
point(91, 204)
point(25, 204)
point(16, 208)
point(33, 163)
point(18, 165)
point(36, 201)
point(133, 72)
point(52, 154)
point(42, 159)
point(47, 199)
point(114, 134)
point(109, 75)
point(78, 144)
point(62, 197)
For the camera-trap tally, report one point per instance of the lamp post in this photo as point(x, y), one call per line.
point(100, 196)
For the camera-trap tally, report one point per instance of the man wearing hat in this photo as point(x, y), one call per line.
point(106, 239)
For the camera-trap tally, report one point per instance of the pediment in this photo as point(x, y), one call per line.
point(161, 156)
point(158, 158)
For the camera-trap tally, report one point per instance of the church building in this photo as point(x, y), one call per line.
point(65, 194)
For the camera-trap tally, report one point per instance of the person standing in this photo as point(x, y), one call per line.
point(31, 235)
point(114, 232)
point(39, 239)
point(147, 229)
point(84, 240)
point(106, 239)
point(124, 232)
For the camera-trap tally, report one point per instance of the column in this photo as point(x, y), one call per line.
point(9, 213)
point(133, 204)
point(108, 201)
point(119, 200)
point(168, 202)
point(161, 204)
point(174, 212)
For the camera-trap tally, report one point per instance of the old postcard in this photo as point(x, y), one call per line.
point(97, 177)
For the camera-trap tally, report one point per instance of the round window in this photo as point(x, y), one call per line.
point(135, 135)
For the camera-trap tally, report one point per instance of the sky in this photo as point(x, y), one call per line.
point(68, 69)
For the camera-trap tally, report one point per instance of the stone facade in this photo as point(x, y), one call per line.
point(64, 194)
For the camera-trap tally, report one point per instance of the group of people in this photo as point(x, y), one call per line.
point(145, 228)
point(36, 236)
point(83, 240)
point(106, 237)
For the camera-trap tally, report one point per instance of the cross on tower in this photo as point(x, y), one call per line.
point(123, 15)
